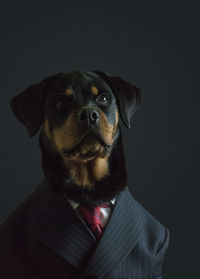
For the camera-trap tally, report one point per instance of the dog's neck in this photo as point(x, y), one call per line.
point(108, 187)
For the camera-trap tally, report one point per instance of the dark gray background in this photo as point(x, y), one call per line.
point(154, 45)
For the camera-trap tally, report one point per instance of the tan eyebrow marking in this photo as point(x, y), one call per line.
point(94, 90)
point(68, 91)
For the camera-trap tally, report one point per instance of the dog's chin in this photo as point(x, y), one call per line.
point(104, 190)
point(89, 148)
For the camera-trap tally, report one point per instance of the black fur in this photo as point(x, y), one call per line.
point(28, 105)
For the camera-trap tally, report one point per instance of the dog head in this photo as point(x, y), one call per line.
point(79, 116)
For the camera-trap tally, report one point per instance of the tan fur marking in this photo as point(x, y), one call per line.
point(100, 168)
point(67, 135)
point(87, 174)
point(94, 90)
point(106, 129)
point(46, 127)
point(48, 134)
point(116, 116)
point(116, 122)
point(68, 91)
point(79, 173)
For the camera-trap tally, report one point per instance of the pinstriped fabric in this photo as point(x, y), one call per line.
point(121, 234)
point(54, 222)
point(139, 264)
point(127, 249)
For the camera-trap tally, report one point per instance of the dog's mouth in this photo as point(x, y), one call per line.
point(88, 148)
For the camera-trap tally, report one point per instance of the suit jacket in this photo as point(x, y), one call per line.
point(44, 238)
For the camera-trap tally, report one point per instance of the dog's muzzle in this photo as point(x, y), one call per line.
point(91, 138)
point(89, 118)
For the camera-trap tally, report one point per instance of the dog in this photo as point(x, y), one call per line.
point(78, 115)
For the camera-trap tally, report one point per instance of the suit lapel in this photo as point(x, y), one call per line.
point(53, 222)
point(119, 238)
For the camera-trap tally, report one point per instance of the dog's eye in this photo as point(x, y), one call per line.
point(102, 99)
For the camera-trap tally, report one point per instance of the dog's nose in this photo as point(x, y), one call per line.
point(89, 115)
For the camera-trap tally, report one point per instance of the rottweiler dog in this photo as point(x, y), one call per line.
point(78, 114)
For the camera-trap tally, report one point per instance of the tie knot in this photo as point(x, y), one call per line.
point(91, 215)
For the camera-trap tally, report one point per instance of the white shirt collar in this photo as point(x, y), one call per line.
point(75, 204)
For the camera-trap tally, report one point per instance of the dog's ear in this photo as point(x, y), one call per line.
point(27, 106)
point(128, 96)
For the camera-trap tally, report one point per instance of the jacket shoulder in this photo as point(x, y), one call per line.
point(154, 231)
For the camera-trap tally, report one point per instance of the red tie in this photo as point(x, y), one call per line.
point(92, 217)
